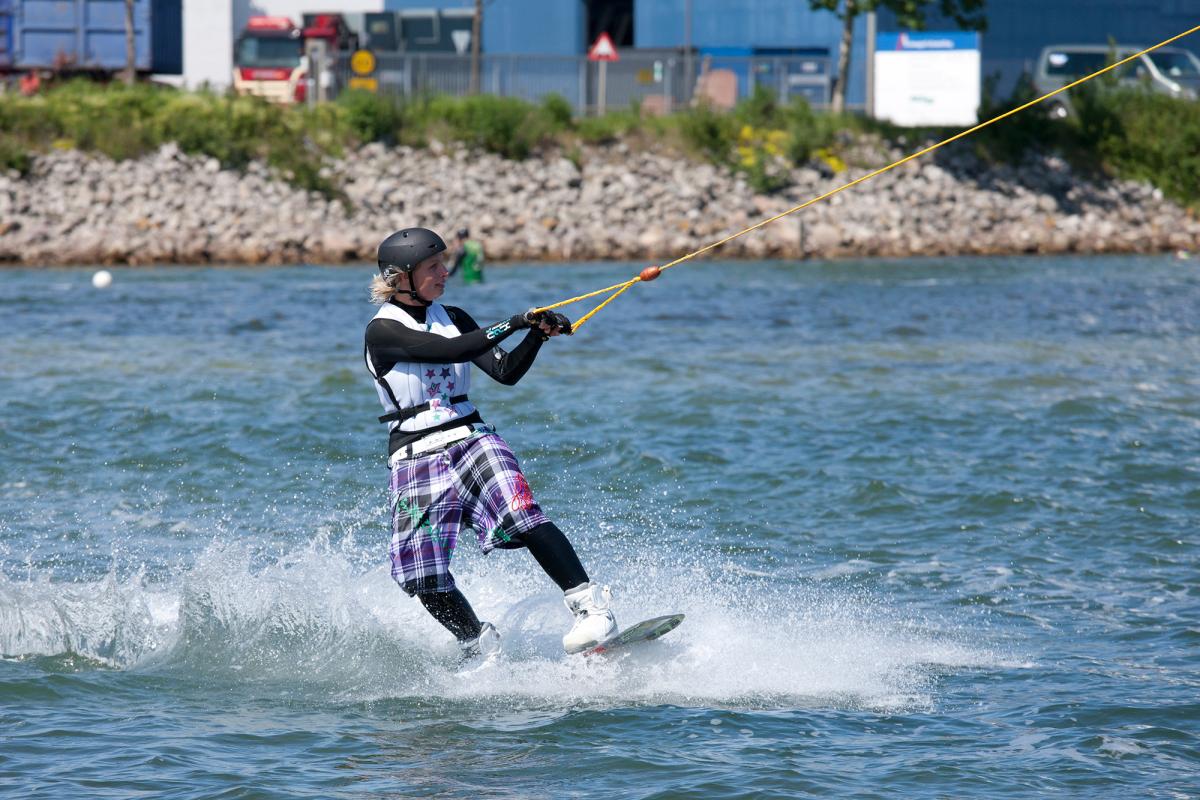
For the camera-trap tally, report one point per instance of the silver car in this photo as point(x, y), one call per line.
point(1170, 70)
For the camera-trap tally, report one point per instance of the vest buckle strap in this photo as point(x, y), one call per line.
point(436, 441)
point(405, 414)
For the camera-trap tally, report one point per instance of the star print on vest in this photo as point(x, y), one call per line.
point(429, 387)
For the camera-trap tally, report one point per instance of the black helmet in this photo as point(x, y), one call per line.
point(404, 250)
point(463, 233)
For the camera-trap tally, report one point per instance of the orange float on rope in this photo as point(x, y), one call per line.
point(650, 273)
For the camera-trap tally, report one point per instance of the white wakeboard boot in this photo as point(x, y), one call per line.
point(486, 644)
point(594, 622)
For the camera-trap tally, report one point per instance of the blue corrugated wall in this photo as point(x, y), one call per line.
point(520, 26)
point(1017, 31)
point(746, 26)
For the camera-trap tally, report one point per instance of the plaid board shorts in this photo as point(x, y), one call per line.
point(475, 484)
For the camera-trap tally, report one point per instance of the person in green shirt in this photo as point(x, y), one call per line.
point(469, 258)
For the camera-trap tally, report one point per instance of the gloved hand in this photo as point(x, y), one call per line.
point(529, 319)
point(550, 323)
point(553, 323)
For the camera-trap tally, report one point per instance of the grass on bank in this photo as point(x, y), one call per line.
point(1126, 132)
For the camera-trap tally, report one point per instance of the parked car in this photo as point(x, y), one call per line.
point(1170, 70)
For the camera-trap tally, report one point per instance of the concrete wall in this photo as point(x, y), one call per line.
point(207, 43)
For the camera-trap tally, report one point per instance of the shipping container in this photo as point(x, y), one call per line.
point(89, 35)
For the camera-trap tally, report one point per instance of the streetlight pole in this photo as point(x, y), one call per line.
point(476, 28)
point(130, 45)
point(688, 67)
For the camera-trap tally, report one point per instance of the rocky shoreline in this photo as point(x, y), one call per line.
point(610, 202)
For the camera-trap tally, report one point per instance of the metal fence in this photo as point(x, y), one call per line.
point(664, 81)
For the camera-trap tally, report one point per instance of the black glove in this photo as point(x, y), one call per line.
point(558, 322)
point(534, 319)
point(529, 319)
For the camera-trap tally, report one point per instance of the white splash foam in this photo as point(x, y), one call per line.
point(314, 622)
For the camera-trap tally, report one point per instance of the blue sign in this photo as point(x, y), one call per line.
point(927, 41)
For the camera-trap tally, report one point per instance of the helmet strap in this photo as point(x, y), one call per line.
point(412, 290)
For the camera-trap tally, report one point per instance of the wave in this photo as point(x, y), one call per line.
point(315, 622)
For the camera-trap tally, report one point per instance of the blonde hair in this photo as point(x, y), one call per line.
point(382, 288)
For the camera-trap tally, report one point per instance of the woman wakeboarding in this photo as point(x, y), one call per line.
point(450, 472)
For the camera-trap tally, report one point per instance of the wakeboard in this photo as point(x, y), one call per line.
point(642, 632)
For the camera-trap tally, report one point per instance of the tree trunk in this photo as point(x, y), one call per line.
point(130, 45)
point(476, 30)
point(843, 65)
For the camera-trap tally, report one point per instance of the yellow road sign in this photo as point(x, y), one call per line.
point(362, 62)
point(368, 84)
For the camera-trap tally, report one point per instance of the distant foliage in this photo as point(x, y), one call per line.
point(1128, 132)
point(501, 125)
point(558, 110)
point(370, 117)
point(507, 126)
point(129, 121)
point(1143, 135)
point(610, 127)
point(14, 156)
point(763, 138)
point(709, 133)
point(1027, 131)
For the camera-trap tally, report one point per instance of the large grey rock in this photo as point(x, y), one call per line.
point(171, 207)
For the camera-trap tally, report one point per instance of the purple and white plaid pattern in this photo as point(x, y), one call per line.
point(473, 484)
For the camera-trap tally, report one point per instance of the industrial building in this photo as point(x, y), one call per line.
point(748, 36)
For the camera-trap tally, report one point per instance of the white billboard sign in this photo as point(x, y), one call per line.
point(927, 78)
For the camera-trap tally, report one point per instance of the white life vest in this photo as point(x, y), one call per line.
point(409, 385)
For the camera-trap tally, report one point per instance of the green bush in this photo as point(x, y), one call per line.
point(1131, 132)
point(1031, 130)
point(557, 111)
point(129, 121)
point(807, 131)
point(370, 117)
point(1143, 135)
point(759, 110)
point(507, 126)
point(610, 127)
point(13, 155)
point(708, 133)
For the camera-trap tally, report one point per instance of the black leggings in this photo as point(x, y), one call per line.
point(454, 612)
point(553, 552)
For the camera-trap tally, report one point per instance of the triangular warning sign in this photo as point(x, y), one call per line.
point(462, 40)
point(603, 49)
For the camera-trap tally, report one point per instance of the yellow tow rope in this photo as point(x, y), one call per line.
point(650, 273)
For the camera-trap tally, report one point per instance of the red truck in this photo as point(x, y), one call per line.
point(271, 56)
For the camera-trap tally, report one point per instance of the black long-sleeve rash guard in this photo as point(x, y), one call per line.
point(389, 342)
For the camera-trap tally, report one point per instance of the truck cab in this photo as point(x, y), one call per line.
point(274, 58)
point(269, 62)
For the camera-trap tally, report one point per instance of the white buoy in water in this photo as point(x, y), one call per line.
point(1182, 255)
point(102, 279)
